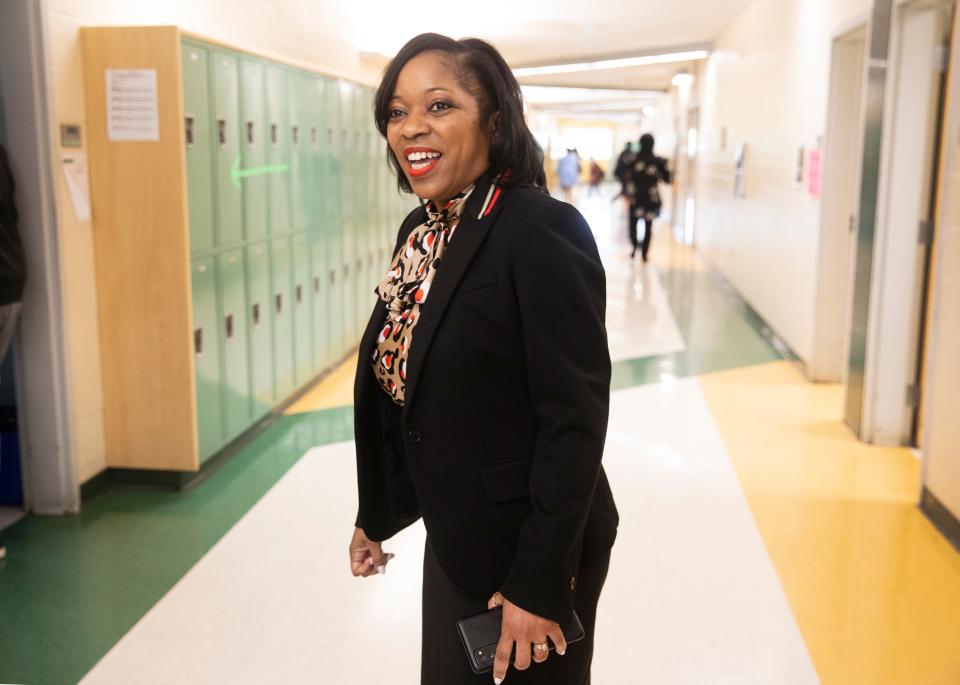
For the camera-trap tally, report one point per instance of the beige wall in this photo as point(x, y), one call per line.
point(766, 85)
point(941, 440)
point(306, 31)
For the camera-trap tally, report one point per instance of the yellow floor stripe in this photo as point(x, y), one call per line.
point(336, 390)
point(874, 587)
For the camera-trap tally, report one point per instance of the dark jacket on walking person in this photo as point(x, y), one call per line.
point(643, 178)
point(12, 269)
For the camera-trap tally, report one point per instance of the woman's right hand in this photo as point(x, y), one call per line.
point(366, 556)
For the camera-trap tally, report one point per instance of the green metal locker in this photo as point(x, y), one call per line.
point(260, 333)
point(206, 350)
point(254, 143)
point(320, 291)
point(302, 310)
point(298, 107)
point(227, 127)
point(282, 315)
point(278, 149)
point(196, 115)
point(335, 299)
point(233, 337)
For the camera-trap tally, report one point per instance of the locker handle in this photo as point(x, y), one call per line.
point(256, 313)
point(313, 135)
point(198, 341)
point(346, 271)
point(316, 284)
point(299, 293)
point(222, 132)
point(188, 126)
point(250, 133)
point(229, 326)
point(370, 259)
point(279, 303)
point(359, 263)
point(295, 134)
point(274, 134)
point(333, 276)
point(330, 137)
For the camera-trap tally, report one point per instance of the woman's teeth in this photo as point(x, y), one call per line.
point(420, 160)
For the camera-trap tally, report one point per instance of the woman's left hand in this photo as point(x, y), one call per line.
point(526, 630)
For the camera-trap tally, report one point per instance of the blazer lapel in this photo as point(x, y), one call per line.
point(470, 234)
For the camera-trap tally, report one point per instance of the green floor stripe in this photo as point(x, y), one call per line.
point(72, 586)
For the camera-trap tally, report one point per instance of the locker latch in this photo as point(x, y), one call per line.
point(198, 341)
point(229, 326)
point(188, 129)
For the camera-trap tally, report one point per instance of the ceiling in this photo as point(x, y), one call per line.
point(538, 32)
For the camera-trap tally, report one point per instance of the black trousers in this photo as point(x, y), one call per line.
point(632, 221)
point(444, 661)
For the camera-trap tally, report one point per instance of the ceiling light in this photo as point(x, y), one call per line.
point(619, 63)
point(682, 79)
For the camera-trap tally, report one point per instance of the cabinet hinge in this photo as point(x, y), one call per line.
point(941, 58)
point(913, 396)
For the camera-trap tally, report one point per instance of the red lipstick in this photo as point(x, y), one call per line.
point(424, 166)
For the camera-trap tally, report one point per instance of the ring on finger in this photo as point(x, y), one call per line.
point(541, 647)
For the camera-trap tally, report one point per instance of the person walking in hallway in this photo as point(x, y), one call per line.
point(568, 173)
point(482, 390)
point(12, 269)
point(624, 163)
point(643, 178)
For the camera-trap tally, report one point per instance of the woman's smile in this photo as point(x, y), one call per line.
point(421, 160)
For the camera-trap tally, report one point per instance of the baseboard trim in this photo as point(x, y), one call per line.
point(941, 517)
point(185, 480)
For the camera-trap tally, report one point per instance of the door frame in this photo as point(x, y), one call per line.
point(50, 480)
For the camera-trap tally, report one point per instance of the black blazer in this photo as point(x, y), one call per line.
point(498, 445)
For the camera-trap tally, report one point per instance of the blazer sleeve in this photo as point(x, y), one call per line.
point(561, 293)
point(665, 174)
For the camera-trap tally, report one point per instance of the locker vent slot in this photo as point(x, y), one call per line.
point(188, 126)
point(316, 284)
point(256, 313)
point(295, 133)
point(279, 301)
point(274, 134)
point(299, 293)
point(229, 326)
point(250, 133)
point(198, 341)
point(222, 132)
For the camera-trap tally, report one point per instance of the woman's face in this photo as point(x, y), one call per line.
point(435, 130)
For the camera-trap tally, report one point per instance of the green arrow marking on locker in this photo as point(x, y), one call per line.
point(236, 173)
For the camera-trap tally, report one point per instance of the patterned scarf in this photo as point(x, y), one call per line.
point(405, 289)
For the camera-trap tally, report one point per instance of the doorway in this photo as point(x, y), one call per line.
point(883, 409)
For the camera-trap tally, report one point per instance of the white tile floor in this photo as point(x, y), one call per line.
point(692, 596)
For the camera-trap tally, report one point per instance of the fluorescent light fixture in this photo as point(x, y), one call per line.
point(649, 111)
point(682, 79)
point(620, 63)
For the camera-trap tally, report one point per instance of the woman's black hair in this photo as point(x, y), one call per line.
point(646, 144)
point(484, 74)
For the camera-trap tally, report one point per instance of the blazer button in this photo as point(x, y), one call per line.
point(414, 437)
point(573, 582)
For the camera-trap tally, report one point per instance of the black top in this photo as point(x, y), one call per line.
point(642, 180)
point(13, 271)
point(503, 427)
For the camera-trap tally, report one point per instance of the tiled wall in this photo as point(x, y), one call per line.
point(303, 31)
point(766, 86)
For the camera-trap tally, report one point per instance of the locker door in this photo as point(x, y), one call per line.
point(299, 112)
point(319, 209)
point(226, 129)
point(233, 335)
point(254, 143)
point(206, 350)
point(260, 333)
point(282, 314)
point(278, 150)
point(347, 209)
point(320, 290)
point(335, 299)
point(196, 121)
point(302, 310)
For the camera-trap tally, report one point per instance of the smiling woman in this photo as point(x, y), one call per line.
point(482, 387)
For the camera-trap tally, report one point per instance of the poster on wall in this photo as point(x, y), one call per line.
point(132, 113)
point(815, 173)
